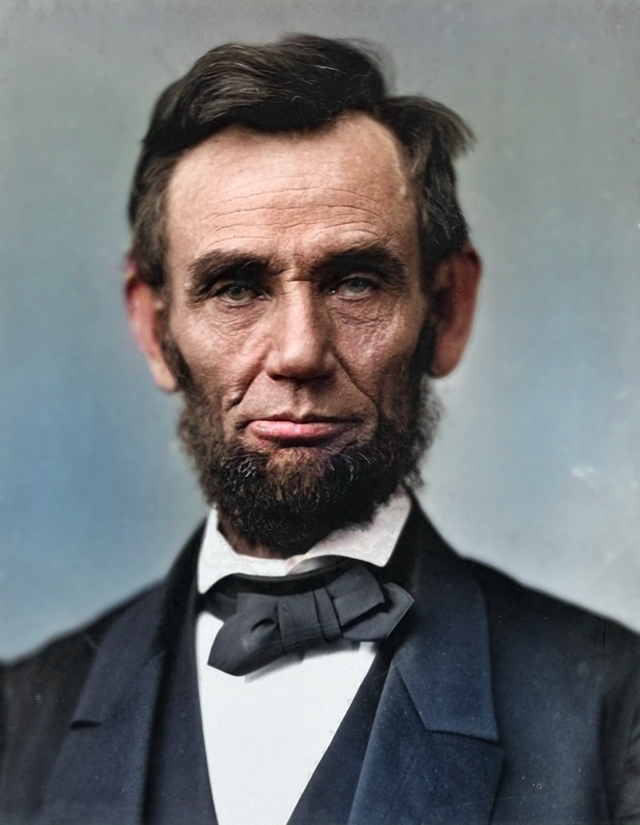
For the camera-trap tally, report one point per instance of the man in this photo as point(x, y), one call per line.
point(300, 271)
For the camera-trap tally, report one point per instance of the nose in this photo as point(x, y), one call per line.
point(301, 337)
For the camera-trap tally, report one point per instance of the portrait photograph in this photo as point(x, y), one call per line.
point(355, 277)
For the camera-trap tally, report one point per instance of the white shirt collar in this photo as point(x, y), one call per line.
point(373, 543)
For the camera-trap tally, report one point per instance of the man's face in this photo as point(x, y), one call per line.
point(295, 288)
point(295, 309)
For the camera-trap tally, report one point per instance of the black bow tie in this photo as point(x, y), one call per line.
point(266, 617)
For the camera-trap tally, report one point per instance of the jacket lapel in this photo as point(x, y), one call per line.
point(100, 775)
point(432, 755)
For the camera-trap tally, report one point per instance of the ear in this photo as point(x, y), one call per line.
point(146, 308)
point(453, 302)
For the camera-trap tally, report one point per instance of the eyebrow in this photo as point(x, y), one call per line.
point(375, 257)
point(207, 269)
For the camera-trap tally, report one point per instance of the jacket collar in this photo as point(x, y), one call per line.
point(433, 753)
point(444, 659)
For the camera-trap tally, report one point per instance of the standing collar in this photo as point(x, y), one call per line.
point(373, 542)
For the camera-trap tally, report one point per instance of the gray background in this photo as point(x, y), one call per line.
point(535, 469)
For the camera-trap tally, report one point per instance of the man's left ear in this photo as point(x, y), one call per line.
point(454, 295)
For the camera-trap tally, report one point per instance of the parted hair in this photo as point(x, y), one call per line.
point(298, 84)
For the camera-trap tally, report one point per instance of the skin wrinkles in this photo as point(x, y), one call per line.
point(206, 273)
point(302, 351)
point(264, 219)
point(295, 303)
point(304, 191)
point(235, 231)
point(298, 311)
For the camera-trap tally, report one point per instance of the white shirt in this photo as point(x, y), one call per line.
point(266, 732)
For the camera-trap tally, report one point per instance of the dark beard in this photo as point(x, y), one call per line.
point(291, 505)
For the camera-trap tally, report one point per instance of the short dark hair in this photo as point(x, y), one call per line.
point(299, 84)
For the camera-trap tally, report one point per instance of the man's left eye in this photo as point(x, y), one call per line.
point(356, 286)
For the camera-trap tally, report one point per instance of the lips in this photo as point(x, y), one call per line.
point(291, 431)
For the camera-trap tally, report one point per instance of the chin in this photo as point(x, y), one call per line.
point(299, 456)
point(304, 467)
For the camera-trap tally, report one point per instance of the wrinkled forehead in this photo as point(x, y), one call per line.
point(348, 182)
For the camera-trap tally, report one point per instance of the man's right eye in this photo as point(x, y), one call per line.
point(236, 293)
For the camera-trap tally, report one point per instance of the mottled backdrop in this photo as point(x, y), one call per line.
point(536, 466)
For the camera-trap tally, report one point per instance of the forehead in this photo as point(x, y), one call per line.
point(291, 194)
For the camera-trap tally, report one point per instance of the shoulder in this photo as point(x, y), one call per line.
point(38, 696)
point(534, 618)
point(61, 660)
point(39, 691)
point(524, 622)
point(551, 657)
point(566, 682)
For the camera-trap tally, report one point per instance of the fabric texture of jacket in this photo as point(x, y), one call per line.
point(500, 705)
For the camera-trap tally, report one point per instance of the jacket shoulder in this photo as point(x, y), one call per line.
point(566, 681)
point(538, 618)
point(67, 656)
point(561, 656)
point(38, 696)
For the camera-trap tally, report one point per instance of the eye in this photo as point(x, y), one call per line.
point(356, 286)
point(237, 292)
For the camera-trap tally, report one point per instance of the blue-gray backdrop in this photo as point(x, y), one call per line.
point(536, 466)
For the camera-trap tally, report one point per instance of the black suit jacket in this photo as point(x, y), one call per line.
point(501, 705)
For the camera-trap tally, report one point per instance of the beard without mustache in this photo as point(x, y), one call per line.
point(288, 499)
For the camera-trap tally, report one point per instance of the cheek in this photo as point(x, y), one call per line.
point(218, 368)
point(378, 357)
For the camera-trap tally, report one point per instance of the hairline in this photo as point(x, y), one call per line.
point(410, 169)
point(402, 157)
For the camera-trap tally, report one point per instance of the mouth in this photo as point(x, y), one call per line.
point(308, 431)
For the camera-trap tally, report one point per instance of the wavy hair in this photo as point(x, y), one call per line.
point(298, 84)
